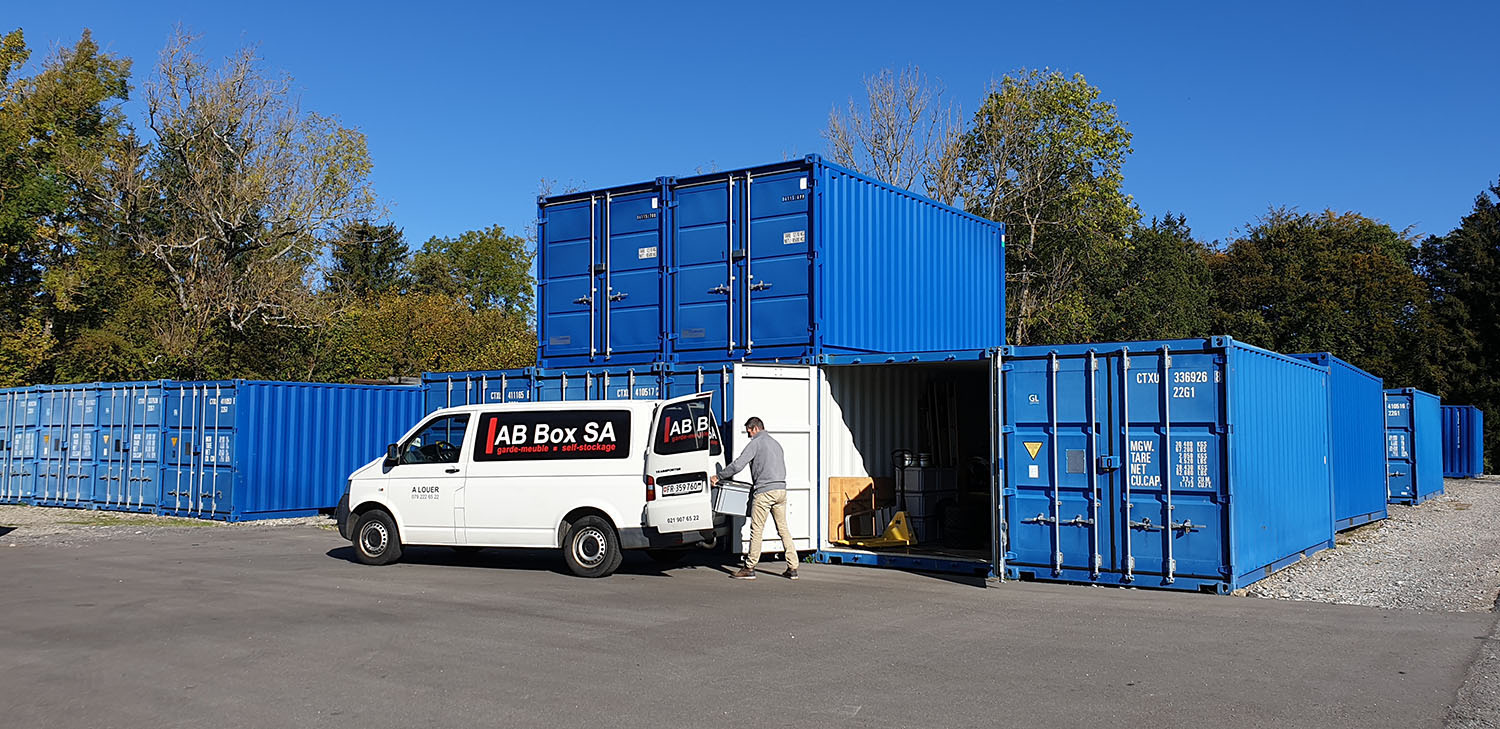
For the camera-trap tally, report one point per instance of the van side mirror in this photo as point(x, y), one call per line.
point(391, 455)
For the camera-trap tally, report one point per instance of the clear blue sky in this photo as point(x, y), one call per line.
point(1387, 109)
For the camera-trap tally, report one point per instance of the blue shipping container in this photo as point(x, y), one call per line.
point(128, 462)
point(451, 389)
point(781, 262)
point(1195, 464)
point(1463, 441)
point(240, 449)
point(1413, 445)
point(14, 474)
point(1357, 404)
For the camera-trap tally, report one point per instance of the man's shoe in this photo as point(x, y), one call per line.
point(790, 573)
point(743, 574)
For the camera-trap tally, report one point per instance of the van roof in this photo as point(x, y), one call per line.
point(632, 405)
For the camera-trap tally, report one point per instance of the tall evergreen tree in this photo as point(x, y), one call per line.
point(367, 259)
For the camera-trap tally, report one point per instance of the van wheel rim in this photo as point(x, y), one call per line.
point(590, 547)
point(373, 538)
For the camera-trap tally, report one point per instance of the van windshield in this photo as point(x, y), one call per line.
point(685, 427)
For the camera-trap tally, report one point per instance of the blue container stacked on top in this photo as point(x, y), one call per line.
point(1463, 441)
point(1192, 464)
point(1357, 407)
point(1414, 446)
point(785, 262)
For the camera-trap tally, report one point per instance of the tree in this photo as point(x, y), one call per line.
point(61, 132)
point(1159, 288)
point(367, 259)
point(238, 195)
point(1463, 270)
point(904, 133)
point(1340, 283)
point(487, 269)
point(1044, 154)
point(405, 335)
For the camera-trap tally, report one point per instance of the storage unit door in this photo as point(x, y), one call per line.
point(1058, 519)
point(785, 398)
point(1399, 448)
point(1170, 507)
point(743, 273)
point(143, 434)
point(602, 277)
point(9, 494)
point(50, 448)
point(198, 463)
point(24, 463)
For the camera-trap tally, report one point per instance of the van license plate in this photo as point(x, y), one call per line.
point(678, 489)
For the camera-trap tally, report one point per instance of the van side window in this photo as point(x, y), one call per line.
point(686, 427)
point(439, 442)
point(535, 435)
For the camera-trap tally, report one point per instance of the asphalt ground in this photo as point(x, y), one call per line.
point(280, 628)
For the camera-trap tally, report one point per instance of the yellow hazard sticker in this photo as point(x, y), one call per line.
point(174, 442)
point(1032, 447)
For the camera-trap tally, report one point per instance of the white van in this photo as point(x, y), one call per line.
point(592, 478)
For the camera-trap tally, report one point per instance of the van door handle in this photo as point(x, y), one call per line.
point(450, 470)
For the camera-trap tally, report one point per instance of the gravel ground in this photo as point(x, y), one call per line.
point(32, 525)
point(1442, 555)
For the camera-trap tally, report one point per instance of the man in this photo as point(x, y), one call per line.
point(768, 476)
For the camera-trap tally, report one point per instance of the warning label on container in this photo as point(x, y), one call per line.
point(1032, 447)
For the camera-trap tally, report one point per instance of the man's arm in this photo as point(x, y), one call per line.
point(746, 455)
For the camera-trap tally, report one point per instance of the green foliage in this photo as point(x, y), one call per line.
point(1332, 282)
point(24, 353)
point(1463, 270)
point(1159, 286)
point(395, 335)
point(1045, 155)
point(367, 259)
point(487, 268)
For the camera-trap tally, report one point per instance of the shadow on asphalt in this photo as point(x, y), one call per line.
point(544, 560)
point(4, 530)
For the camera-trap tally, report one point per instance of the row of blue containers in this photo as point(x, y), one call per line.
point(1463, 441)
point(229, 450)
point(1200, 464)
point(776, 262)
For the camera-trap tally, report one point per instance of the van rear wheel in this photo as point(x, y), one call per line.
point(376, 540)
point(592, 548)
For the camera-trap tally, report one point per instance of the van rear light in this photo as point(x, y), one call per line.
point(650, 489)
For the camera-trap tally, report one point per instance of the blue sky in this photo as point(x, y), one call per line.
point(1387, 109)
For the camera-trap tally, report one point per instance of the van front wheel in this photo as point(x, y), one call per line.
point(592, 548)
point(376, 540)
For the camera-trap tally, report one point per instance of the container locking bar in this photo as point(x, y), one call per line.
point(1166, 457)
point(1057, 555)
point(1125, 448)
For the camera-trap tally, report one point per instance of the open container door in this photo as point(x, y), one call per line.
point(785, 398)
point(684, 443)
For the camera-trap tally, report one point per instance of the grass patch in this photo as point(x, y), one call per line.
point(137, 521)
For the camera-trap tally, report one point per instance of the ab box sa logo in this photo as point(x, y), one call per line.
point(568, 435)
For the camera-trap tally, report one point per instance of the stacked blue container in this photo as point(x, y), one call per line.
point(1193, 464)
point(1463, 441)
point(781, 262)
point(1357, 407)
point(1414, 447)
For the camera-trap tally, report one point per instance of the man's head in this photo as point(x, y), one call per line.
point(753, 426)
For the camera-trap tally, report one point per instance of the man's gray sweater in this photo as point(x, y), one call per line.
point(767, 464)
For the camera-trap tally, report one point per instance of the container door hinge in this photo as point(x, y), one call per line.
point(1007, 429)
point(1007, 367)
point(1007, 492)
point(1010, 555)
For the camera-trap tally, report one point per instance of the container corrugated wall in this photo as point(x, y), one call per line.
point(902, 273)
point(451, 389)
point(1189, 464)
point(14, 487)
point(779, 262)
point(1463, 441)
point(241, 449)
point(1414, 445)
point(1358, 411)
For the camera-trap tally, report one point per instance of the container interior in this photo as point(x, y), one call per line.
point(911, 438)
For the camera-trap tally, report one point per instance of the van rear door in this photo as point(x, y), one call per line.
point(684, 443)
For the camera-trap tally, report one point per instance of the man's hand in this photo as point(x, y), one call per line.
point(713, 480)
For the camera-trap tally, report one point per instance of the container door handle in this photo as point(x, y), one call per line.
point(721, 290)
point(619, 296)
point(584, 300)
point(760, 286)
